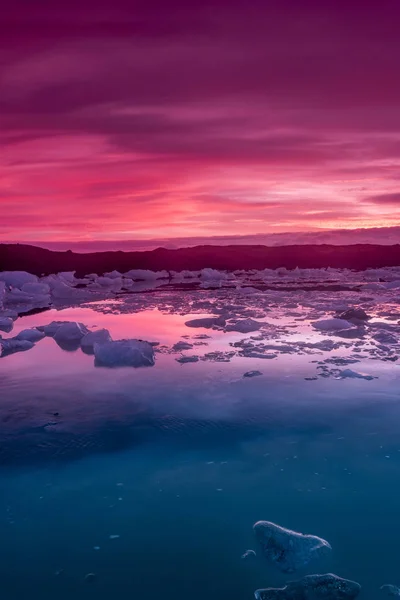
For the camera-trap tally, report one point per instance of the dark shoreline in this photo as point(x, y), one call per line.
point(39, 261)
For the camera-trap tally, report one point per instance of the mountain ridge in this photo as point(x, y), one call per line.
point(37, 260)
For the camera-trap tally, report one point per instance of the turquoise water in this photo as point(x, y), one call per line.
point(179, 461)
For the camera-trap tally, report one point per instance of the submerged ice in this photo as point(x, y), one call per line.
point(313, 587)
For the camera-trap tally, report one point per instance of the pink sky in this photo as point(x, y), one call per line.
point(132, 120)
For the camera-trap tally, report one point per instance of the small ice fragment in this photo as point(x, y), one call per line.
point(124, 353)
point(90, 577)
point(187, 359)
point(96, 547)
point(332, 324)
point(288, 550)
point(349, 373)
point(94, 337)
point(114, 536)
point(390, 590)
point(316, 587)
point(252, 374)
point(248, 554)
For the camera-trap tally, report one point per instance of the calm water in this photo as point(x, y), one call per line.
point(179, 460)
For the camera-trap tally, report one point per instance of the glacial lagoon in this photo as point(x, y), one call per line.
point(144, 482)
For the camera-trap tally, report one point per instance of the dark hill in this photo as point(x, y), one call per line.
point(37, 260)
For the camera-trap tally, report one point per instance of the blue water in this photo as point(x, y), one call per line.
point(179, 461)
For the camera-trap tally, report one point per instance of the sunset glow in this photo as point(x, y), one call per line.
point(144, 120)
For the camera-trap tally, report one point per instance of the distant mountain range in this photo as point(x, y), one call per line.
point(385, 236)
point(22, 257)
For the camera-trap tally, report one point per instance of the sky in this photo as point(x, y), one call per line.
point(125, 120)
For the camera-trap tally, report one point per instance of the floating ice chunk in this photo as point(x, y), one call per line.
point(14, 345)
point(313, 587)
point(113, 275)
point(124, 353)
point(373, 286)
point(68, 276)
point(287, 549)
point(255, 354)
point(244, 326)
point(144, 274)
point(248, 554)
point(354, 314)
point(6, 324)
point(349, 373)
point(392, 285)
point(384, 337)
point(187, 359)
point(101, 336)
point(182, 346)
point(51, 328)
point(109, 281)
point(213, 275)
point(32, 335)
point(390, 590)
point(17, 278)
point(35, 289)
point(252, 374)
point(68, 336)
point(332, 324)
point(206, 322)
point(2, 293)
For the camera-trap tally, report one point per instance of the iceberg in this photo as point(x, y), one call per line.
point(145, 275)
point(288, 550)
point(349, 373)
point(124, 353)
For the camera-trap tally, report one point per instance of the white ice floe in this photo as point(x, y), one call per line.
point(101, 336)
point(145, 274)
point(349, 373)
point(124, 353)
point(32, 335)
point(6, 324)
point(13, 345)
point(214, 275)
point(332, 324)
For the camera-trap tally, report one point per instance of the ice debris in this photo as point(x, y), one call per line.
point(248, 554)
point(313, 587)
point(17, 278)
point(13, 345)
point(354, 314)
point(124, 353)
point(332, 324)
point(187, 359)
point(69, 335)
point(32, 335)
point(288, 550)
point(91, 338)
point(252, 374)
point(244, 326)
point(206, 322)
point(6, 324)
point(182, 346)
point(390, 590)
point(350, 374)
